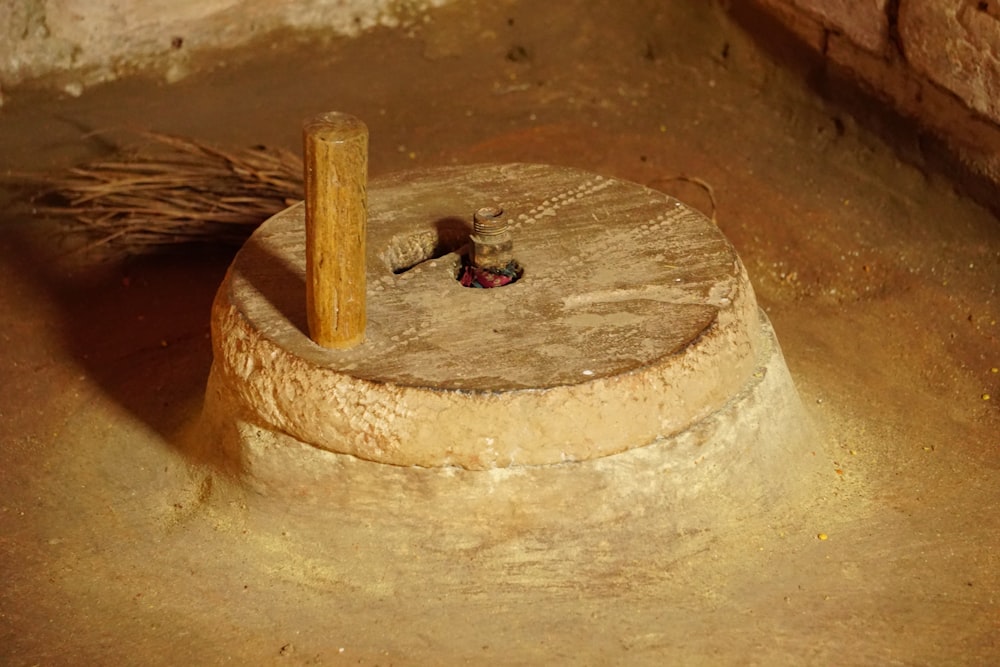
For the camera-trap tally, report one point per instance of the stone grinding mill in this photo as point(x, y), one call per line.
point(619, 339)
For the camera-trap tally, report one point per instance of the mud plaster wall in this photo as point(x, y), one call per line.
point(75, 43)
point(936, 62)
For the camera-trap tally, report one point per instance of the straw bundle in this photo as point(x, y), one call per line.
point(176, 191)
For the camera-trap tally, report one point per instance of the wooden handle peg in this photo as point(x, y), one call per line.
point(336, 175)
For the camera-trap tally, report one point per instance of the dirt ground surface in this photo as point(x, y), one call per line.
point(118, 547)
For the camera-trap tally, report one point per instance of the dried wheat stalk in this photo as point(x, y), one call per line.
point(181, 191)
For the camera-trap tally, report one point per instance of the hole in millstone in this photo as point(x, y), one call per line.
point(470, 275)
point(407, 251)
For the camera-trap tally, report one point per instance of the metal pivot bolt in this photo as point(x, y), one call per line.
point(492, 243)
point(491, 260)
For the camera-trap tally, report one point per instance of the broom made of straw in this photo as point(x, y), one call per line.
point(181, 191)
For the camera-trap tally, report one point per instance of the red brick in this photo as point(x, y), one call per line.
point(806, 27)
point(864, 22)
point(956, 45)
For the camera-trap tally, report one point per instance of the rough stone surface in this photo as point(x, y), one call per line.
point(957, 46)
point(634, 320)
point(757, 447)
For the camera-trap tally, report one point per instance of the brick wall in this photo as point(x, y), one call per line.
point(957, 46)
point(934, 62)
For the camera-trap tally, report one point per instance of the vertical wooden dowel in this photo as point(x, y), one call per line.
point(336, 175)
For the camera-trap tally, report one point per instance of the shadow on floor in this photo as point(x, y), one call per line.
point(137, 326)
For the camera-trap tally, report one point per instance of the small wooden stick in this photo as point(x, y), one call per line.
point(336, 174)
